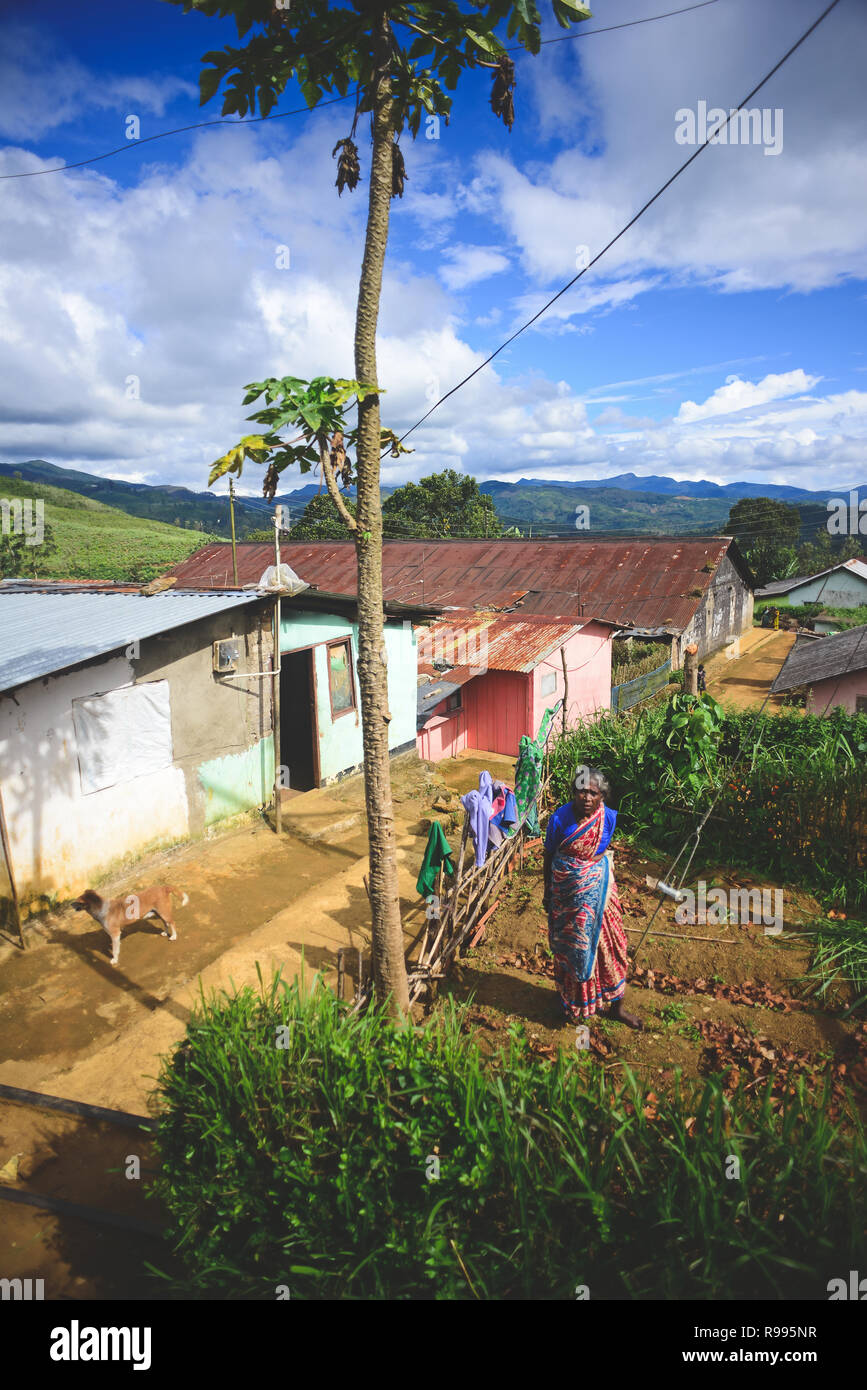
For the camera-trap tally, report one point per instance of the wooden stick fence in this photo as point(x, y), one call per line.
point(468, 895)
point(471, 893)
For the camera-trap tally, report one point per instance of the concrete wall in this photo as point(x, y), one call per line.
point(221, 725)
point(826, 695)
point(840, 589)
point(443, 736)
point(725, 612)
point(340, 740)
point(588, 665)
point(61, 838)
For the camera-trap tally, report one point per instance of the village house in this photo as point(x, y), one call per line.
point(681, 590)
point(841, 586)
point(132, 721)
point(832, 671)
point(486, 679)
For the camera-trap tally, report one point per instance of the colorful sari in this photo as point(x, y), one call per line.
point(585, 924)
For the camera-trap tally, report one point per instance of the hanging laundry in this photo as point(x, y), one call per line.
point(528, 772)
point(438, 851)
point(505, 808)
point(479, 805)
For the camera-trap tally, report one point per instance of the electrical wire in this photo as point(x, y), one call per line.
point(306, 110)
point(631, 223)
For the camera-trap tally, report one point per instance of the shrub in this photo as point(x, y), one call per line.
point(795, 804)
point(308, 1166)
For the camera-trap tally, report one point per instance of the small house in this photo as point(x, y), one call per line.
point(841, 586)
point(486, 679)
point(131, 721)
point(832, 670)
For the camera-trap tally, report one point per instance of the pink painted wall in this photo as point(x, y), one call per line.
point(500, 706)
point(588, 663)
point(838, 692)
point(443, 735)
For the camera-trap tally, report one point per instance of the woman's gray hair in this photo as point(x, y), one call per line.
point(585, 775)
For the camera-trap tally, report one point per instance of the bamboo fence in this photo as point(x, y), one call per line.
point(468, 902)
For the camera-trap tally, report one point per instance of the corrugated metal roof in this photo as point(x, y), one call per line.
point(49, 631)
point(784, 586)
point(643, 582)
point(431, 695)
point(494, 641)
point(823, 659)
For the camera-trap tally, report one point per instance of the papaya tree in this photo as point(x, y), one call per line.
point(398, 64)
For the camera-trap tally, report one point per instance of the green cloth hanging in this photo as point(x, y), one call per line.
point(528, 773)
point(438, 852)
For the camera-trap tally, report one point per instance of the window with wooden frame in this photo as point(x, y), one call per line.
point(453, 703)
point(861, 704)
point(341, 683)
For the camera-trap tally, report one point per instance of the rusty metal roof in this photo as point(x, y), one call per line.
point(466, 640)
point(635, 582)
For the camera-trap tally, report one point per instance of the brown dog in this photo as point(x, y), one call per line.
point(113, 914)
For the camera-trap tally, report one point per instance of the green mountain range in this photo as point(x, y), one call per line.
point(626, 503)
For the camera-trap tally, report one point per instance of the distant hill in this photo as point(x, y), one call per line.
point(98, 542)
point(651, 482)
point(627, 502)
point(551, 507)
point(176, 506)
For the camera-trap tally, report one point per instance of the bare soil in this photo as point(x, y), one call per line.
point(508, 977)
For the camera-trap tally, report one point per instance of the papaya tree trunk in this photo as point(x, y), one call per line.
point(388, 949)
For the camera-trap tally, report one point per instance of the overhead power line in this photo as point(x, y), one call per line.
point(306, 110)
point(631, 223)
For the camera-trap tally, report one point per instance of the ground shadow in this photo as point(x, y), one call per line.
point(87, 947)
point(533, 1003)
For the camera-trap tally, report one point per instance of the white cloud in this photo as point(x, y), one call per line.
point(735, 220)
point(40, 90)
point(741, 395)
point(469, 264)
point(176, 279)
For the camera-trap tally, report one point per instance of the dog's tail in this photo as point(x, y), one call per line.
point(185, 897)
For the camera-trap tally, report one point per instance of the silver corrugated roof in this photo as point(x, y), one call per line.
point(41, 633)
point(821, 659)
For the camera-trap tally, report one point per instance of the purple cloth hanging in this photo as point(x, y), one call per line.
point(480, 805)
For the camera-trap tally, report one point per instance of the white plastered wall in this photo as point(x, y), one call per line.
point(59, 836)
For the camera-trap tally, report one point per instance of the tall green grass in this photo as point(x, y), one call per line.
point(310, 1166)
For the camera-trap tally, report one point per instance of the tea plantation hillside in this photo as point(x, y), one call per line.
point(93, 541)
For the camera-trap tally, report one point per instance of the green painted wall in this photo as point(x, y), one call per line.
point(238, 781)
point(340, 740)
point(840, 589)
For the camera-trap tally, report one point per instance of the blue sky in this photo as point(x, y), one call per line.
point(723, 337)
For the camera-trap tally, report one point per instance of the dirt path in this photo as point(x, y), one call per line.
point(71, 1025)
point(744, 682)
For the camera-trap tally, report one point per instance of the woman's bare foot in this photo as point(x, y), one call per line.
point(618, 1012)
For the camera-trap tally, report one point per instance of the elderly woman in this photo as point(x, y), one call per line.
point(585, 920)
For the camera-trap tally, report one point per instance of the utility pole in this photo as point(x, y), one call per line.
point(275, 666)
point(232, 518)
